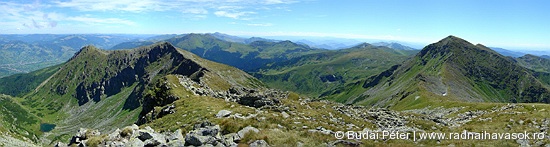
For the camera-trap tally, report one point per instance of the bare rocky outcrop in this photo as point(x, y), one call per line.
point(257, 98)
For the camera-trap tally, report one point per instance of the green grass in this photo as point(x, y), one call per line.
point(19, 84)
point(193, 109)
point(16, 120)
point(453, 66)
point(303, 74)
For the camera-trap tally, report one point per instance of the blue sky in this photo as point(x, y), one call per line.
point(512, 24)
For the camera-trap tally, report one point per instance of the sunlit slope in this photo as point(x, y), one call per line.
point(451, 69)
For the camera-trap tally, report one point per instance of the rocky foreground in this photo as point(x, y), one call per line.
point(209, 134)
point(204, 134)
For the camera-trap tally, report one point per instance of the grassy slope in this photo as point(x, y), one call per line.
point(19, 84)
point(64, 110)
point(540, 66)
point(534, 62)
point(348, 66)
point(58, 100)
point(453, 70)
point(195, 109)
point(16, 121)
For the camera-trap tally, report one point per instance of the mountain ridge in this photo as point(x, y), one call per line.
point(453, 69)
point(125, 83)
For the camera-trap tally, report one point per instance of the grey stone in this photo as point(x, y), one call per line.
point(247, 129)
point(60, 144)
point(152, 142)
point(231, 139)
point(285, 115)
point(177, 135)
point(114, 136)
point(144, 135)
point(149, 137)
point(114, 144)
point(176, 143)
point(259, 143)
point(198, 140)
point(523, 142)
point(299, 144)
point(134, 142)
point(223, 113)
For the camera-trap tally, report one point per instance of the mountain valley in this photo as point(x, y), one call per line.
point(203, 90)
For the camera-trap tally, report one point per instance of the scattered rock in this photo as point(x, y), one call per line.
point(204, 133)
point(523, 142)
point(247, 129)
point(134, 142)
point(223, 113)
point(285, 115)
point(82, 135)
point(344, 142)
point(60, 144)
point(385, 119)
point(249, 97)
point(321, 130)
point(259, 143)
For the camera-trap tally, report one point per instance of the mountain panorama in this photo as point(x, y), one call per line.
point(222, 90)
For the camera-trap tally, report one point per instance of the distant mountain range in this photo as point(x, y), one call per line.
point(508, 52)
point(25, 53)
point(393, 45)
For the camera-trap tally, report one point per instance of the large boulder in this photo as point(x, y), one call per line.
point(199, 140)
point(82, 135)
point(177, 135)
point(134, 142)
point(223, 113)
point(231, 139)
point(247, 129)
point(150, 137)
point(203, 134)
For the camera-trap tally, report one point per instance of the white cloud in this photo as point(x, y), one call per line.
point(195, 11)
point(260, 24)
point(27, 15)
point(226, 8)
point(234, 15)
point(271, 2)
point(39, 15)
point(96, 21)
point(111, 5)
point(163, 5)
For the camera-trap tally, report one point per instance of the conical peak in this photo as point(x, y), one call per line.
point(452, 39)
point(162, 47)
point(89, 49)
point(362, 45)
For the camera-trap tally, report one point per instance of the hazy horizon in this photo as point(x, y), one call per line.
point(514, 25)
